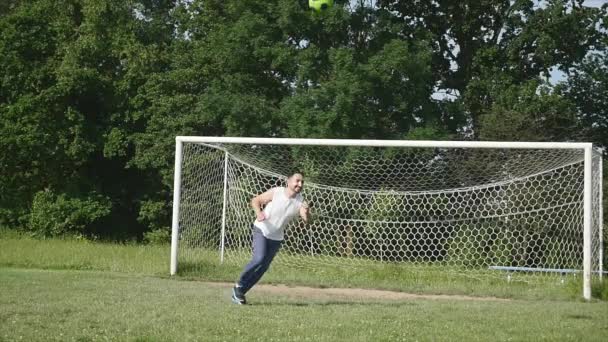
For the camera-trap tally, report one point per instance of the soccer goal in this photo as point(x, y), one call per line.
point(533, 209)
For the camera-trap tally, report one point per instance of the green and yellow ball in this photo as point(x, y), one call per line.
point(320, 5)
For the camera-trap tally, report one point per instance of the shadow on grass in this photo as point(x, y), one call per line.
point(395, 279)
point(206, 271)
point(600, 290)
point(366, 303)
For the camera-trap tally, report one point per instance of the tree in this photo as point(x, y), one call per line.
point(587, 88)
point(475, 39)
point(70, 67)
point(530, 112)
point(44, 139)
point(384, 96)
point(93, 93)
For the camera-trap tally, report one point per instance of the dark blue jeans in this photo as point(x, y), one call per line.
point(264, 251)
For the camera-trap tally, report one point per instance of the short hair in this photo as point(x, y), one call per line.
point(295, 172)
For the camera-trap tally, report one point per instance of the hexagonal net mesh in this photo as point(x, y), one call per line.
point(460, 209)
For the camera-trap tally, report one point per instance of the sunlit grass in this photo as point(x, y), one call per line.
point(25, 252)
point(71, 289)
point(79, 254)
point(71, 305)
point(405, 277)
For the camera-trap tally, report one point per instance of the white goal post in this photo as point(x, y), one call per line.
point(470, 206)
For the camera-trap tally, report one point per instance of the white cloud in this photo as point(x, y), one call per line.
point(594, 3)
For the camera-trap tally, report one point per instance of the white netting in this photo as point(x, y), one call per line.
point(459, 209)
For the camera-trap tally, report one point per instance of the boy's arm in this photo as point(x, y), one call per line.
point(259, 201)
point(304, 212)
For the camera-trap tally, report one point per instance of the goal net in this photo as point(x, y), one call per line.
point(464, 207)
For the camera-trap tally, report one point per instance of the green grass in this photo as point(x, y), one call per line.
point(24, 252)
point(75, 290)
point(69, 305)
point(21, 251)
point(412, 278)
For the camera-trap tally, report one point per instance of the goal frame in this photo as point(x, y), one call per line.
point(586, 147)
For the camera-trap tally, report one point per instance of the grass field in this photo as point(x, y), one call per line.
point(70, 290)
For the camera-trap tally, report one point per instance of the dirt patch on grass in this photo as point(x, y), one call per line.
point(350, 293)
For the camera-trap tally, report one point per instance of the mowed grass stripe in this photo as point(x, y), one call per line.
point(24, 252)
point(70, 305)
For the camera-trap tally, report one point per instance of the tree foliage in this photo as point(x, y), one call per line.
point(92, 93)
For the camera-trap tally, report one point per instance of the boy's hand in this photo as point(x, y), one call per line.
point(305, 211)
point(261, 216)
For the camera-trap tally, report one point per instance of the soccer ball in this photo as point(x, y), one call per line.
point(320, 5)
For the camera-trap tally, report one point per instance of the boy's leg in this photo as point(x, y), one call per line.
point(259, 254)
point(251, 269)
point(272, 248)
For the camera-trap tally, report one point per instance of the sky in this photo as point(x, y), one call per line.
point(594, 3)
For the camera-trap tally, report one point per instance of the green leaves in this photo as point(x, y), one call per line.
point(380, 97)
point(92, 94)
point(528, 113)
point(587, 88)
point(60, 215)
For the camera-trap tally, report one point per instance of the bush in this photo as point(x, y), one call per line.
point(153, 214)
point(160, 236)
point(56, 215)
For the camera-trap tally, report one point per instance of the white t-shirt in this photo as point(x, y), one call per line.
point(279, 212)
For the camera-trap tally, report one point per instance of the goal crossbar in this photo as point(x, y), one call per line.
point(388, 143)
